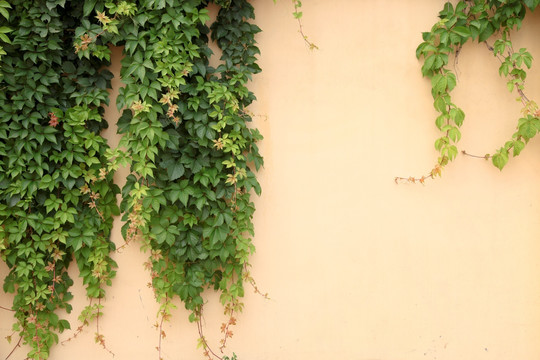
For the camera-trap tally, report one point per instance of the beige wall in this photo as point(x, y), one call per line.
point(356, 266)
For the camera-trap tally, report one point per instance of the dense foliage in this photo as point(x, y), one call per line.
point(56, 201)
point(481, 21)
point(185, 137)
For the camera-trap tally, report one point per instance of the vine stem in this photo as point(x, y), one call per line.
point(456, 60)
point(15, 348)
point(309, 43)
point(412, 179)
point(160, 336)
point(94, 205)
point(97, 316)
point(53, 283)
point(524, 98)
point(89, 40)
point(161, 333)
point(485, 157)
point(79, 329)
point(7, 309)
point(297, 15)
point(226, 331)
point(207, 348)
point(253, 284)
point(100, 337)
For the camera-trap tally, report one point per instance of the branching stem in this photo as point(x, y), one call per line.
point(15, 348)
point(485, 157)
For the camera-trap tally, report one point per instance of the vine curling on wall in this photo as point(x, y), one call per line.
point(185, 137)
point(57, 202)
point(476, 20)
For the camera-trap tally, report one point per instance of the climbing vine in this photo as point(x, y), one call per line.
point(56, 200)
point(185, 137)
point(488, 22)
point(4, 30)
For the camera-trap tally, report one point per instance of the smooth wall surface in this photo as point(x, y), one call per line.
point(356, 266)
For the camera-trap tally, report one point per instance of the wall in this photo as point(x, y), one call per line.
point(356, 266)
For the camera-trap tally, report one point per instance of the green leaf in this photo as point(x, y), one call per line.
point(440, 104)
point(500, 158)
point(462, 31)
point(531, 4)
point(427, 68)
point(510, 85)
point(486, 33)
point(218, 235)
point(141, 72)
point(439, 82)
point(63, 325)
point(175, 171)
point(518, 146)
point(457, 115)
point(3, 6)
point(527, 59)
point(527, 129)
point(452, 152)
point(454, 134)
point(184, 197)
point(88, 7)
point(451, 81)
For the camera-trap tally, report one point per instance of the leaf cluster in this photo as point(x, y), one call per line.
point(476, 20)
point(56, 203)
point(185, 132)
point(185, 137)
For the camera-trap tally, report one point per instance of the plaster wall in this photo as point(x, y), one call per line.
point(356, 266)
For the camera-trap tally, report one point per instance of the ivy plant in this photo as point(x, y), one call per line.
point(185, 134)
point(4, 30)
point(57, 201)
point(490, 23)
point(185, 137)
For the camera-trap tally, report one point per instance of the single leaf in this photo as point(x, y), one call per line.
point(462, 31)
point(438, 82)
point(527, 130)
point(440, 104)
point(518, 146)
point(500, 159)
point(531, 4)
point(486, 33)
point(175, 171)
point(88, 7)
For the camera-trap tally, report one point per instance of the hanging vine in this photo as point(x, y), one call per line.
point(4, 30)
point(185, 136)
point(476, 20)
point(56, 200)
